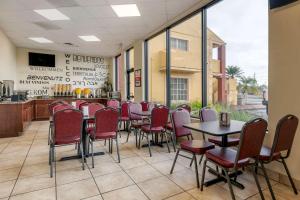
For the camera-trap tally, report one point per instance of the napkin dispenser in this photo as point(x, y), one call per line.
point(224, 119)
point(85, 110)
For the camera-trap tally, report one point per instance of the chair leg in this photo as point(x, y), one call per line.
point(192, 137)
point(92, 149)
point(229, 184)
point(117, 146)
point(192, 160)
point(266, 177)
point(203, 174)
point(175, 159)
point(139, 145)
point(257, 183)
point(136, 135)
point(290, 177)
point(167, 140)
point(147, 136)
point(50, 161)
point(82, 155)
point(111, 146)
point(196, 169)
point(173, 142)
point(128, 136)
point(201, 158)
point(108, 145)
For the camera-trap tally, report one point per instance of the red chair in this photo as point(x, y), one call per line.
point(281, 148)
point(81, 105)
point(136, 121)
point(145, 105)
point(208, 114)
point(169, 126)
point(61, 107)
point(78, 102)
point(125, 115)
point(106, 127)
point(93, 108)
point(159, 119)
point(195, 147)
point(67, 130)
point(252, 137)
point(113, 103)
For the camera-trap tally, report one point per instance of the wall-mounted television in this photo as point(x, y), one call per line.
point(41, 59)
point(280, 3)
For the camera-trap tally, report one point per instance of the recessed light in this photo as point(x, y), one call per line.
point(40, 39)
point(52, 14)
point(126, 10)
point(89, 38)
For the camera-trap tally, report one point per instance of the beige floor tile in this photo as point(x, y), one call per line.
point(45, 194)
point(213, 192)
point(77, 190)
point(104, 167)
point(186, 179)
point(72, 175)
point(35, 170)
point(9, 174)
point(113, 181)
point(182, 196)
point(32, 160)
point(165, 167)
point(6, 188)
point(68, 164)
point(128, 193)
point(156, 157)
point(143, 173)
point(124, 154)
point(29, 184)
point(159, 188)
point(98, 197)
point(11, 163)
point(132, 162)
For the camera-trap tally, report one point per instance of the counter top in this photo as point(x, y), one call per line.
point(15, 102)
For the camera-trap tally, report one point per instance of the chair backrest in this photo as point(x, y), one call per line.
point(106, 120)
point(145, 105)
point(208, 114)
point(53, 104)
point(251, 139)
point(186, 107)
point(67, 126)
point(125, 109)
point(80, 107)
point(180, 117)
point(61, 107)
point(78, 102)
point(159, 116)
point(94, 107)
point(134, 108)
point(285, 133)
point(113, 103)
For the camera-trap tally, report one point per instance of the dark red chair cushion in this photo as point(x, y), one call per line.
point(230, 143)
point(196, 146)
point(265, 154)
point(138, 124)
point(225, 157)
point(103, 136)
point(148, 129)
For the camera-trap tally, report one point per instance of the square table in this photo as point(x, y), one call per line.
point(213, 128)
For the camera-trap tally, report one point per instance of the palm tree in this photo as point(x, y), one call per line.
point(248, 85)
point(234, 71)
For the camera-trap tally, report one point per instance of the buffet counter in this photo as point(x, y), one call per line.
point(15, 117)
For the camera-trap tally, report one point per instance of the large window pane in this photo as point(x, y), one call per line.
point(156, 69)
point(238, 58)
point(186, 64)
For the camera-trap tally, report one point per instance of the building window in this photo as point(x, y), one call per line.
point(179, 89)
point(179, 44)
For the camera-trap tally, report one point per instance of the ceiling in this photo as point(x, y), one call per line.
point(88, 17)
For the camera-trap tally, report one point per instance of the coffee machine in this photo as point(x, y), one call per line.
point(7, 88)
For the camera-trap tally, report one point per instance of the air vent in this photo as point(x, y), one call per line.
point(47, 25)
point(70, 44)
point(63, 3)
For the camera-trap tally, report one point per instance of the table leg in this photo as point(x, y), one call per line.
point(222, 179)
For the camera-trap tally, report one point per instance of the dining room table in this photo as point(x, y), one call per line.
point(213, 128)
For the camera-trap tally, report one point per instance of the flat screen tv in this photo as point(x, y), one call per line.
point(280, 3)
point(41, 59)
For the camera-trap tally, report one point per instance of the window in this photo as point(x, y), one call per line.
point(179, 89)
point(179, 44)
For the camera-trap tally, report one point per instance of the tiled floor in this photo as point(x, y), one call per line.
point(24, 174)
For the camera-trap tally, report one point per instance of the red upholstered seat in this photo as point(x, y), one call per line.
point(169, 126)
point(106, 135)
point(225, 157)
point(147, 129)
point(196, 146)
point(265, 154)
point(138, 124)
point(218, 141)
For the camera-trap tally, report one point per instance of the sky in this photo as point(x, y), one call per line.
point(243, 25)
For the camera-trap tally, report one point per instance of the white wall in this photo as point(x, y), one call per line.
point(7, 58)
point(81, 73)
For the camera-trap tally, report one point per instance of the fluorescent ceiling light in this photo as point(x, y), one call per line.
point(126, 10)
point(89, 38)
point(52, 14)
point(40, 39)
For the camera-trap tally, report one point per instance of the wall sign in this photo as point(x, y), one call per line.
point(138, 78)
point(80, 71)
